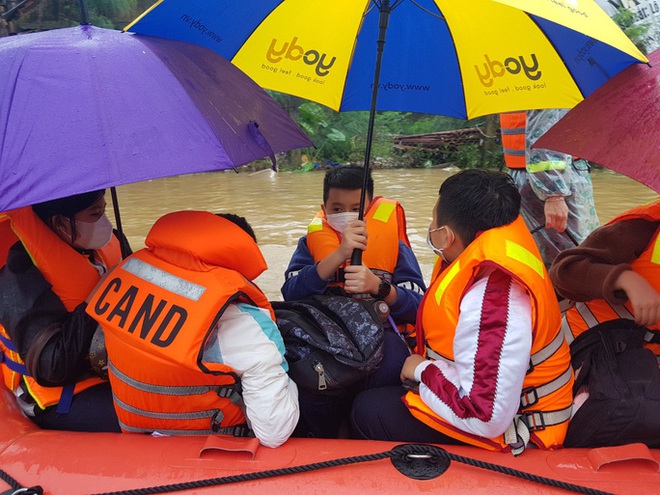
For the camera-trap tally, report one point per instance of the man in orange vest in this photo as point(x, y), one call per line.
point(493, 369)
point(556, 190)
point(50, 349)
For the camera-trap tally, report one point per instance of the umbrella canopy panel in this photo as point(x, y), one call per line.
point(460, 58)
point(85, 108)
point(617, 126)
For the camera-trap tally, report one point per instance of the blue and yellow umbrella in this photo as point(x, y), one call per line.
point(459, 58)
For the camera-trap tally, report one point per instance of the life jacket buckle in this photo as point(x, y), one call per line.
point(528, 397)
point(241, 431)
point(534, 420)
point(216, 420)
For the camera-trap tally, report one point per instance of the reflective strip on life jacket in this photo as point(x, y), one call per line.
point(512, 131)
point(164, 280)
point(546, 166)
point(546, 352)
point(214, 415)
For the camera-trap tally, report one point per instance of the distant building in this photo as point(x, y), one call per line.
point(647, 12)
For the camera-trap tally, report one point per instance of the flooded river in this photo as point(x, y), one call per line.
point(280, 205)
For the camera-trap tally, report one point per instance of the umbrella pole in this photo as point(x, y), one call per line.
point(385, 10)
point(84, 14)
point(123, 243)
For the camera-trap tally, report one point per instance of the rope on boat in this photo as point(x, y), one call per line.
point(17, 488)
point(400, 451)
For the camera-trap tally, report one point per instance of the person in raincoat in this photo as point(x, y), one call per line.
point(556, 189)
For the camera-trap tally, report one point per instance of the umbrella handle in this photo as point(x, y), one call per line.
point(356, 257)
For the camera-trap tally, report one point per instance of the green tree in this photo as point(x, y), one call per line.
point(637, 33)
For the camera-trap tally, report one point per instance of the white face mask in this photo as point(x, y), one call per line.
point(339, 221)
point(438, 251)
point(93, 235)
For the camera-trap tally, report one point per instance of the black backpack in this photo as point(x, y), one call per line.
point(624, 387)
point(331, 341)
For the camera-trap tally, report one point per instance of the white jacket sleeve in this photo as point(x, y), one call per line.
point(248, 340)
point(480, 391)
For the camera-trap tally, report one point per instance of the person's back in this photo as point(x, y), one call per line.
point(489, 311)
point(49, 343)
point(190, 338)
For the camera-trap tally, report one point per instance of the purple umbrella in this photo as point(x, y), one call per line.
point(86, 108)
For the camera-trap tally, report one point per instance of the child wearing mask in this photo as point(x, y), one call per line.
point(389, 271)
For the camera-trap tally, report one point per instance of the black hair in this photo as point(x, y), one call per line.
point(476, 200)
point(67, 207)
point(240, 221)
point(346, 177)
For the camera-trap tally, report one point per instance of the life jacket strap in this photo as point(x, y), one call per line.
point(237, 431)
point(430, 353)
point(518, 433)
point(13, 365)
point(541, 355)
point(652, 337)
point(66, 397)
point(7, 343)
point(531, 395)
point(221, 390)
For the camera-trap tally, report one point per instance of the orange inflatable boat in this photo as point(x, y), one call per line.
point(34, 461)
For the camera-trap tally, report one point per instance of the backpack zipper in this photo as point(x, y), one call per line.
point(318, 367)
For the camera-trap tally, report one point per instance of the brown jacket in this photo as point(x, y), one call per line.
point(589, 271)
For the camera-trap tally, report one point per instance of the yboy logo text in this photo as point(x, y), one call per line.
point(293, 51)
point(512, 65)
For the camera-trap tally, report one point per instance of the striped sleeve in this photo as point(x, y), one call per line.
point(480, 391)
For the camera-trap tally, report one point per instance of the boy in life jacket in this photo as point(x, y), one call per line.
point(493, 369)
point(193, 348)
point(52, 353)
point(556, 189)
point(389, 270)
point(614, 273)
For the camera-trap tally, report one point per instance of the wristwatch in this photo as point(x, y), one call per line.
point(384, 289)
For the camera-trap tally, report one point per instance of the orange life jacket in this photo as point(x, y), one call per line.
point(385, 230)
point(159, 311)
point(547, 389)
point(386, 224)
point(512, 126)
point(72, 277)
point(585, 315)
